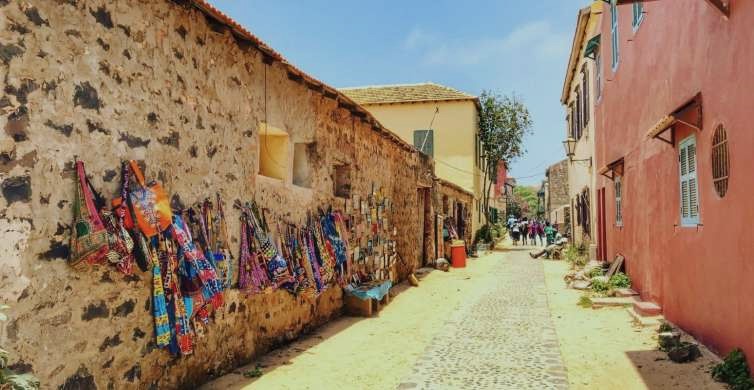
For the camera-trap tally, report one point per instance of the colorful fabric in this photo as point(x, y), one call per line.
point(159, 305)
point(120, 244)
point(197, 264)
point(89, 242)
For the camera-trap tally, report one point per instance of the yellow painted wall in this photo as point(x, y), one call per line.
point(455, 127)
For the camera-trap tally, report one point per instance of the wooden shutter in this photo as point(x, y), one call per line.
point(689, 183)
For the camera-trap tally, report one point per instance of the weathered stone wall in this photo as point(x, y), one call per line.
point(156, 81)
point(557, 185)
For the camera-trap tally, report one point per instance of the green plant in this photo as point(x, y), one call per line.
point(599, 285)
point(9, 378)
point(620, 280)
point(585, 301)
point(596, 271)
point(665, 327)
point(483, 235)
point(255, 373)
point(734, 371)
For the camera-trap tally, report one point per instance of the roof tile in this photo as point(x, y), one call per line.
point(383, 94)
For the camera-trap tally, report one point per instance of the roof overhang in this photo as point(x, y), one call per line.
point(573, 60)
point(688, 114)
point(612, 169)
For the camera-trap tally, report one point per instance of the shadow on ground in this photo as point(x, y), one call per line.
point(659, 373)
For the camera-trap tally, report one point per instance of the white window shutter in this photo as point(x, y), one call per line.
point(688, 182)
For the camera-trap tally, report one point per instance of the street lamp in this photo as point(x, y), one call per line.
point(570, 148)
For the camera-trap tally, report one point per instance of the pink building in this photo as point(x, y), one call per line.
point(674, 150)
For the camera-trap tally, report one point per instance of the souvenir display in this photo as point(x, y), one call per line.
point(89, 243)
point(188, 255)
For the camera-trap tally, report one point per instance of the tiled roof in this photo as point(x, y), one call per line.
point(296, 74)
point(405, 93)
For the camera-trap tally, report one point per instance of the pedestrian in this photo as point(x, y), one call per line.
point(524, 228)
point(533, 232)
point(541, 232)
point(515, 233)
point(550, 233)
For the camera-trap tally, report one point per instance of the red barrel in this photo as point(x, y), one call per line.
point(458, 254)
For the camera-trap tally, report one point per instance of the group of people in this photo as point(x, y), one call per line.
point(526, 231)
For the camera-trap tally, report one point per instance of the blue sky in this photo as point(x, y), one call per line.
point(508, 46)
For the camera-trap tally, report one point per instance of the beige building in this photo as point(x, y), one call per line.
point(441, 122)
point(578, 97)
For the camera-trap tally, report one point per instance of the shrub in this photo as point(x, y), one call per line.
point(665, 327)
point(734, 371)
point(483, 235)
point(599, 285)
point(620, 280)
point(596, 271)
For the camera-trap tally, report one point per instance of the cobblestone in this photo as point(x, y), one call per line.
point(501, 338)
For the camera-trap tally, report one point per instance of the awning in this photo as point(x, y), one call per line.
point(610, 170)
point(591, 47)
point(688, 114)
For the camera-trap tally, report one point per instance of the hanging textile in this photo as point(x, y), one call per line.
point(89, 241)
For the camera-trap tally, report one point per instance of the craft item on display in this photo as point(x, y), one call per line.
point(120, 243)
point(277, 267)
point(151, 205)
point(181, 340)
point(159, 306)
point(89, 241)
point(252, 276)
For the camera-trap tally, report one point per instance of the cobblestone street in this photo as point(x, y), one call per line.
point(502, 338)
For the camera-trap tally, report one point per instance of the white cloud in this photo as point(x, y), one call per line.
point(536, 39)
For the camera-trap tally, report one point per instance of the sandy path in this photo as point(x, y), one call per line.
point(603, 350)
point(370, 353)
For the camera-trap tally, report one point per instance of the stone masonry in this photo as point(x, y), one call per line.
point(173, 86)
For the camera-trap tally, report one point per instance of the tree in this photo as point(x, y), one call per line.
point(524, 201)
point(504, 121)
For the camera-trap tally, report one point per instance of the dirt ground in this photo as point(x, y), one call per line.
point(603, 350)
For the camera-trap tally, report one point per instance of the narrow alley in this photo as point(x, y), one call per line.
point(504, 322)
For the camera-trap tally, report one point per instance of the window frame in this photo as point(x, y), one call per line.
point(690, 177)
point(614, 34)
point(585, 93)
point(430, 142)
point(638, 15)
point(618, 189)
point(598, 75)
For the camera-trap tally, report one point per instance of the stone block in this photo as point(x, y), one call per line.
point(647, 309)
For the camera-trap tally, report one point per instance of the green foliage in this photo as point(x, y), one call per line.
point(483, 235)
point(503, 123)
point(8, 378)
point(734, 371)
point(525, 199)
point(585, 301)
point(620, 280)
point(596, 271)
point(599, 285)
point(573, 257)
point(665, 327)
point(255, 373)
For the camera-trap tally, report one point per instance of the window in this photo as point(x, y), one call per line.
point(618, 183)
point(273, 153)
point(579, 124)
point(614, 33)
point(573, 121)
point(301, 165)
point(720, 162)
point(689, 185)
point(638, 13)
point(424, 141)
point(598, 76)
point(585, 94)
point(342, 181)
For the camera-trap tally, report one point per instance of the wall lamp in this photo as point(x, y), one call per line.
point(570, 148)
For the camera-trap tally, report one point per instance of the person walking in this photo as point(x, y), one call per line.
point(515, 233)
point(524, 230)
point(533, 231)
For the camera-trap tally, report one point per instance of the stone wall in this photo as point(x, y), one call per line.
point(160, 82)
point(557, 186)
point(449, 194)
